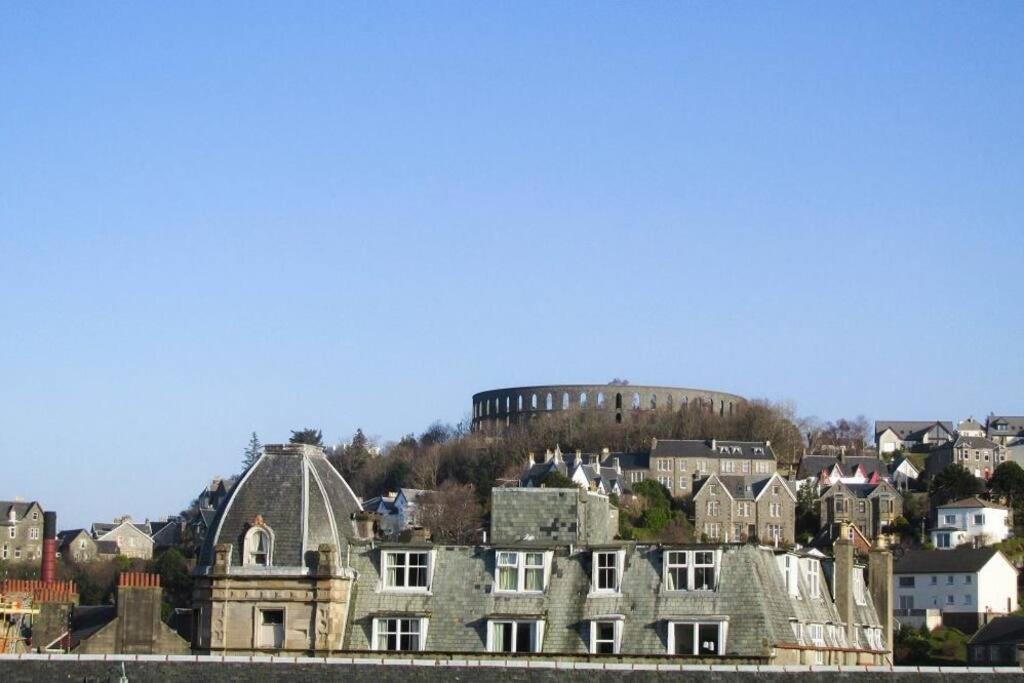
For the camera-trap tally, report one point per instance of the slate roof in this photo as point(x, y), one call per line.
point(812, 465)
point(1000, 630)
point(694, 448)
point(107, 548)
point(978, 442)
point(971, 424)
point(628, 461)
point(910, 430)
point(549, 516)
point(958, 561)
point(751, 594)
point(301, 498)
point(67, 536)
point(1015, 424)
point(973, 502)
point(20, 507)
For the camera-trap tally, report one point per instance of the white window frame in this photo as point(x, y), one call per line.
point(12, 532)
point(33, 533)
point(816, 634)
point(616, 621)
point(775, 509)
point(814, 578)
point(618, 558)
point(694, 651)
point(379, 629)
point(520, 567)
point(387, 564)
point(250, 538)
point(537, 634)
point(670, 559)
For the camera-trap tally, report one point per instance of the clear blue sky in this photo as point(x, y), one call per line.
point(219, 218)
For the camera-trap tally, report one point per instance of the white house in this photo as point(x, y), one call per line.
point(970, 521)
point(967, 586)
point(904, 474)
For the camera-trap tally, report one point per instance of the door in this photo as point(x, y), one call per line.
point(272, 628)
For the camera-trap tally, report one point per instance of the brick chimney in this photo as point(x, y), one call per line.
point(48, 572)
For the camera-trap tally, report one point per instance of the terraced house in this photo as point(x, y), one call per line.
point(21, 531)
point(292, 566)
point(869, 507)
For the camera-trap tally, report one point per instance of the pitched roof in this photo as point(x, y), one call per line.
point(628, 461)
point(20, 507)
point(812, 465)
point(107, 548)
point(970, 423)
point(961, 560)
point(1009, 629)
point(712, 448)
point(974, 442)
point(907, 429)
point(973, 502)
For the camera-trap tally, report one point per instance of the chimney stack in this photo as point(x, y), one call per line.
point(49, 568)
point(880, 584)
point(842, 578)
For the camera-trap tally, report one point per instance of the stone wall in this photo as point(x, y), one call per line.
point(141, 669)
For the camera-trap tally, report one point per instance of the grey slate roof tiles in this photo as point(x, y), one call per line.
point(960, 560)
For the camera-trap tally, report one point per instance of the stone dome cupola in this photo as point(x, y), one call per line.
point(286, 506)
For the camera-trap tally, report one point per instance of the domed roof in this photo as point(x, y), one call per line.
point(294, 493)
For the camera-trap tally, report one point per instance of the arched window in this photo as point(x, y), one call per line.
point(258, 547)
point(636, 401)
point(618, 401)
point(519, 404)
point(600, 400)
point(549, 402)
point(508, 402)
point(654, 401)
point(565, 401)
point(583, 399)
point(533, 402)
point(669, 402)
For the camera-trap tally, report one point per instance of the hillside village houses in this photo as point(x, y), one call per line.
point(738, 508)
point(897, 435)
point(971, 521)
point(869, 507)
point(291, 567)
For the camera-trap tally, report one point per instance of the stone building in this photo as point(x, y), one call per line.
point(496, 409)
point(976, 454)
point(21, 531)
point(1004, 429)
point(869, 507)
point(736, 508)
point(132, 540)
point(678, 464)
point(291, 568)
point(78, 545)
point(275, 574)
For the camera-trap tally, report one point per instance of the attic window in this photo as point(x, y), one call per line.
point(259, 547)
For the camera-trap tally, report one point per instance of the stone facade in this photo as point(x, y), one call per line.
point(737, 509)
point(871, 507)
point(131, 540)
point(976, 454)
point(679, 464)
point(496, 409)
point(21, 531)
point(77, 545)
point(137, 627)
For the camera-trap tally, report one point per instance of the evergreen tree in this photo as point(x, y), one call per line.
point(309, 436)
point(252, 452)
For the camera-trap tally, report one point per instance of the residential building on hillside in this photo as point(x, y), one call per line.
point(821, 471)
point(970, 427)
point(1004, 428)
point(677, 464)
point(968, 587)
point(870, 507)
point(584, 469)
point(78, 545)
point(998, 643)
point(897, 435)
point(970, 521)
point(21, 531)
point(976, 454)
point(133, 540)
point(396, 510)
point(736, 508)
point(905, 474)
point(306, 576)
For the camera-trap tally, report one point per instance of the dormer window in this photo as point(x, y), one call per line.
point(259, 547)
point(686, 570)
point(12, 516)
point(522, 572)
point(607, 571)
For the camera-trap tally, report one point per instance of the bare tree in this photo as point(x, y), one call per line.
point(452, 513)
